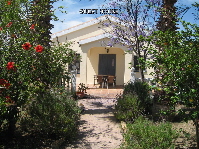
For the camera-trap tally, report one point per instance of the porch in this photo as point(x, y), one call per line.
point(111, 92)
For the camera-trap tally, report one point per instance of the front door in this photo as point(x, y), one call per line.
point(107, 64)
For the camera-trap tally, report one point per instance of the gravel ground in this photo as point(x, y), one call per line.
point(98, 127)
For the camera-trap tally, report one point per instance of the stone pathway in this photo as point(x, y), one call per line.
point(98, 126)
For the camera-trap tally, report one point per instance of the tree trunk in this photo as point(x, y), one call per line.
point(12, 119)
point(138, 42)
point(40, 13)
point(167, 20)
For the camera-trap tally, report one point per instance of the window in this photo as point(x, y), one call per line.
point(136, 64)
point(75, 64)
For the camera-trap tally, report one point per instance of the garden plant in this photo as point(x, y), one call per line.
point(144, 134)
point(134, 102)
point(174, 58)
point(30, 73)
point(176, 70)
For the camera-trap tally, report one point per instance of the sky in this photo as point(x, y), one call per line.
point(73, 16)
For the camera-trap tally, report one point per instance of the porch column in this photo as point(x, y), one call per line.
point(127, 73)
point(83, 68)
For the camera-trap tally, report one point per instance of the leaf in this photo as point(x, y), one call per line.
point(193, 90)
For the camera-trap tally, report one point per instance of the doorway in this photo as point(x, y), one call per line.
point(107, 64)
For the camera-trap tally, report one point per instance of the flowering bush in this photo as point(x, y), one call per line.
point(26, 46)
point(28, 65)
point(39, 48)
point(176, 67)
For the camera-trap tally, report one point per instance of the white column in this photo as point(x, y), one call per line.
point(83, 68)
point(127, 73)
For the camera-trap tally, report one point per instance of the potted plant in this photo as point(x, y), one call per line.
point(81, 90)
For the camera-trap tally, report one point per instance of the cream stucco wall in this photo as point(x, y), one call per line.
point(90, 58)
point(87, 42)
point(93, 60)
point(80, 34)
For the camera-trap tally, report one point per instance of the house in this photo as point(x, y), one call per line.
point(97, 58)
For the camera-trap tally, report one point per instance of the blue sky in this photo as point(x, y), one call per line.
point(73, 16)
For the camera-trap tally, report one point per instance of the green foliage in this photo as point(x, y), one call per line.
point(144, 134)
point(142, 90)
point(28, 65)
point(53, 113)
point(134, 102)
point(82, 88)
point(176, 66)
point(196, 6)
point(128, 108)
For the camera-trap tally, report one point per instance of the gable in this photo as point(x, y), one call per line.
point(84, 28)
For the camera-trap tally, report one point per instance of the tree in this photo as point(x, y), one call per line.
point(166, 22)
point(135, 19)
point(178, 64)
point(196, 5)
point(168, 17)
point(29, 66)
point(41, 15)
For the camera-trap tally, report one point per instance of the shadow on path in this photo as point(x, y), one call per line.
point(98, 126)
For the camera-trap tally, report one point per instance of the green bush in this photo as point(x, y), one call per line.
point(142, 90)
point(52, 113)
point(128, 108)
point(144, 134)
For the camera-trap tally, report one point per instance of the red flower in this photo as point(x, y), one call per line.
point(33, 67)
point(26, 46)
point(7, 97)
point(39, 48)
point(8, 100)
point(10, 65)
point(9, 24)
point(14, 36)
point(4, 83)
point(7, 85)
point(32, 26)
point(1, 28)
point(8, 2)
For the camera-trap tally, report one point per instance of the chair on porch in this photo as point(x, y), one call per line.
point(111, 80)
point(100, 80)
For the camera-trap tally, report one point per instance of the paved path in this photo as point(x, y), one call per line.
point(98, 126)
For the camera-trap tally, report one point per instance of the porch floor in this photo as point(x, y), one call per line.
point(111, 92)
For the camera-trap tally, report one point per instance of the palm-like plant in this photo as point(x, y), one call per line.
point(168, 18)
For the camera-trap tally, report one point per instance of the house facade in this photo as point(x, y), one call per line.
point(89, 40)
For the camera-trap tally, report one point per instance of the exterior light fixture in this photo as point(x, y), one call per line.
point(107, 50)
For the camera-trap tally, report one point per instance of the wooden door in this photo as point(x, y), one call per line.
point(107, 64)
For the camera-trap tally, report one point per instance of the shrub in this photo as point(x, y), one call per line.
point(54, 114)
point(144, 134)
point(142, 90)
point(128, 108)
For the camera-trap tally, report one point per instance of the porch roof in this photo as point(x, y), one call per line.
point(94, 38)
point(83, 25)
